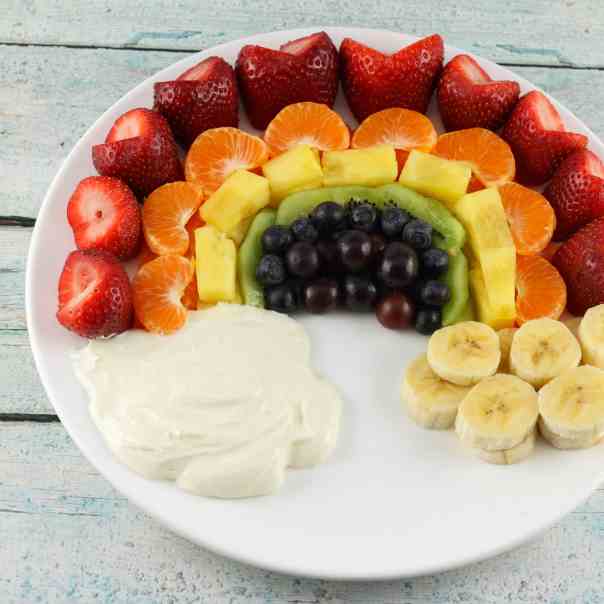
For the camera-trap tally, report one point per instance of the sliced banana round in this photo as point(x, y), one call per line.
point(464, 353)
point(572, 405)
point(431, 401)
point(543, 349)
point(498, 413)
point(508, 456)
point(591, 336)
point(505, 344)
point(562, 442)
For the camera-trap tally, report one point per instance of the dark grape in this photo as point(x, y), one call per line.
point(328, 217)
point(276, 239)
point(393, 220)
point(330, 261)
point(378, 244)
point(354, 250)
point(304, 230)
point(434, 293)
point(281, 298)
point(396, 311)
point(270, 270)
point(399, 265)
point(302, 260)
point(359, 292)
point(428, 320)
point(321, 296)
point(434, 262)
point(418, 234)
point(364, 217)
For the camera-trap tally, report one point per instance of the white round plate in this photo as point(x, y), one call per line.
point(394, 500)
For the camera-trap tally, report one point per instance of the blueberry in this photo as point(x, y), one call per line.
point(270, 270)
point(428, 320)
point(393, 220)
point(304, 230)
point(281, 298)
point(276, 239)
point(328, 217)
point(434, 293)
point(418, 234)
point(364, 217)
point(302, 260)
point(434, 262)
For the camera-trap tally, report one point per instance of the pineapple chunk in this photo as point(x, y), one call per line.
point(239, 197)
point(216, 265)
point(484, 310)
point(493, 251)
point(369, 167)
point(435, 177)
point(298, 169)
point(238, 233)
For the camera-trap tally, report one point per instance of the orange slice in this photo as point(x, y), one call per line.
point(540, 290)
point(144, 255)
point(165, 215)
point(402, 128)
point(217, 152)
point(307, 123)
point(195, 222)
point(489, 156)
point(531, 218)
point(157, 289)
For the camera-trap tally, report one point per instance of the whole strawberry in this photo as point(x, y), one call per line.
point(374, 81)
point(104, 215)
point(536, 134)
point(140, 150)
point(580, 261)
point(95, 299)
point(576, 192)
point(301, 70)
point(469, 98)
point(203, 97)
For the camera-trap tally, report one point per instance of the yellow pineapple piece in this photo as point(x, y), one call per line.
point(433, 176)
point(484, 310)
point(298, 169)
point(238, 198)
point(238, 233)
point(216, 265)
point(369, 167)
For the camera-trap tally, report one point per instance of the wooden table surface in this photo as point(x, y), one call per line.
point(65, 534)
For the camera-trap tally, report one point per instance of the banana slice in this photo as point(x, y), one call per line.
point(508, 456)
point(431, 402)
point(572, 406)
point(562, 442)
point(542, 349)
point(464, 353)
point(498, 413)
point(505, 343)
point(591, 336)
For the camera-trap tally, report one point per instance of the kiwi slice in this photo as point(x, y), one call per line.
point(249, 256)
point(456, 277)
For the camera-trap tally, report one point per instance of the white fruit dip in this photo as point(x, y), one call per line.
point(222, 406)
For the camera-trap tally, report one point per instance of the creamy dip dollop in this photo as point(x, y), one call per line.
point(222, 407)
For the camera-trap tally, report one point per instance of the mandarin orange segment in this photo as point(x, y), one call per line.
point(219, 151)
point(540, 290)
point(157, 289)
point(489, 156)
point(165, 215)
point(531, 218)
point(313, 124)
point(144, 255)
point(195, 222)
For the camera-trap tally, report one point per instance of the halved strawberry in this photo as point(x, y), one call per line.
point(576, 192)
point(95, 299)
point(140, 150)
point(469, 98)
point(301, 70)
point(580, 261)
point(203, 97)
point(105, 215)
point(536, 134)
point(374, 81)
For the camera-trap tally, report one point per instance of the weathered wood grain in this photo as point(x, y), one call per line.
point(54, 94)
point(67, 536)
point(14, 243)
point(539, 32)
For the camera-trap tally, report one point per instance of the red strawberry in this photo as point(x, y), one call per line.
point(374, 81)
point(105, 215)
point(469, 98)
point(301, 70)
point(576, 192)
point(140, 150)
point(94, 295)
point(203, 97)
point(580, 261)
point(536, 134)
